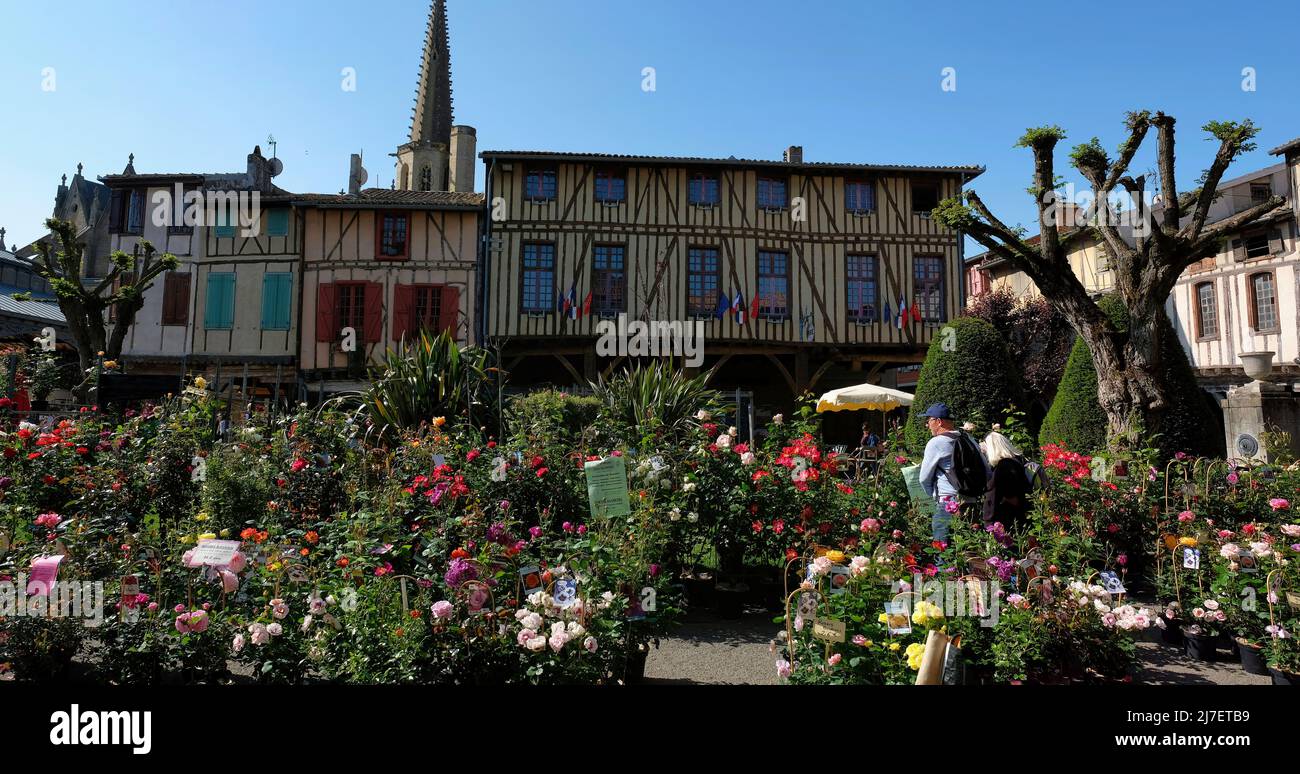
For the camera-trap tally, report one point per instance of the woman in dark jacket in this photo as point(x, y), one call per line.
point(1009, 489)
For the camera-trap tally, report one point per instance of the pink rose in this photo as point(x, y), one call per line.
point(183, 623)
point(199, 621)
point(834, 659)
point(275, 630)
point(1279, 504)
point(237, 562)
point(442, 609)
point(229, 582)
point(590, 644)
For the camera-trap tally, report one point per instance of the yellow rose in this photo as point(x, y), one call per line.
point(200, 382)
point(208, 536)
point(201, 517)
point(439, 421)
point(1187, 541)
point(225, 533)
point(894, 646)
point(186, 539)
point(884, 618)
point(836, 557)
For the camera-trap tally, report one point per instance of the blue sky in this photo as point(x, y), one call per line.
point(191, 86)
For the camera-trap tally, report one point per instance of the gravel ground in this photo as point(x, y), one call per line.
point(707, 650)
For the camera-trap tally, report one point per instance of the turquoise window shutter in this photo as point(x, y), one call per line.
point(276, 303)
point(277, 221)
point(225, 227)
point(219, 311)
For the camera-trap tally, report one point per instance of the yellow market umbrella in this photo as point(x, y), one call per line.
point(870, 397)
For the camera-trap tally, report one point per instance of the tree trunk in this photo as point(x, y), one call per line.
point(1131, 386)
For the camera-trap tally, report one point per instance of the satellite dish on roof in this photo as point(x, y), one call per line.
point(277, 166)
point(362, 176)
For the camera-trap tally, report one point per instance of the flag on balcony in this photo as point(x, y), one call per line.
point(886, 314)
point(720, 310)
point(902, 313)
point(569, 303)
point(916, 311)
point(738, 306)
point(586, 305)
point(753, 309)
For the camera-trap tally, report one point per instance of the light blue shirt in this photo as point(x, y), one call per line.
point(937, 465)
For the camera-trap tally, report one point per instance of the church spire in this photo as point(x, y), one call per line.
point(431, 122)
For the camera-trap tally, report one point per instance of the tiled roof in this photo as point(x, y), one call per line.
point(729, 162)
point(385, 197)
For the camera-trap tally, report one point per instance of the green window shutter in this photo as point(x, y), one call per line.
point(276, 301)
point(225, 226)
point(277, 221)
point(219, 311)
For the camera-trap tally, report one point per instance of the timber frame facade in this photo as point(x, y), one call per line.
point(829, 249)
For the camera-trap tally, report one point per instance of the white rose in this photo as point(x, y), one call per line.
point(688, 486)
point(732, 431)
point(675, 514)
point(779, 419)
point(692, 517)
point(703, 415)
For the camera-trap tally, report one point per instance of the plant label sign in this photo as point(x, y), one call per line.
point(1110, 580)
point(607, 487)
point(1191, 559)
point(565, 593)
point(828, 630)
point(839, 579)
point(1247, 563)
point(215, 553)
point(45, 570)
point(531, 579)
point(898, 619)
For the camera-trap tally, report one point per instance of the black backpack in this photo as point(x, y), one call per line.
point(969, 476)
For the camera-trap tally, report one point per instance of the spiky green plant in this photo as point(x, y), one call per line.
point(652, 404)
point(428, 377)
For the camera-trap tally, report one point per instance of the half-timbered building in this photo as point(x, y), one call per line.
point(799, 271)
point(231, 306)
point(379, 266)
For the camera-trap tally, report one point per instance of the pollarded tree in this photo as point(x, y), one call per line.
point(84, 306)
point(1147, 255)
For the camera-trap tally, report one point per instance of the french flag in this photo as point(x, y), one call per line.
point(738, 306)
point(902, 312)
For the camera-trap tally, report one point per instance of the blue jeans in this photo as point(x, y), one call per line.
point(941, 519)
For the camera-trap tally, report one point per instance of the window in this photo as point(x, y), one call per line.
point(1260, 192)
point(773, 285)
point(928, 284)
point(702, 281)
point(277, 222)
point(426, 307)
point(350, 307)
point(771, 194)
point(176, 298)
point(391, 242)
point(432, 308)
point(607, 280)
point(859, 196)
point(126, 212)
point(219, 311)
point(703, 189)
point(277, 289)
point(176, 217)
point(1207, 313)
point(540, 185)
point(611, 186)
point(1257, 246)
point(860, 276)
point(538, 283)
point(1263, 302)
point(925, 197)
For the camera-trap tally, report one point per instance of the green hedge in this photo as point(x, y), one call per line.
point(1076, 418)
point(552, 413)
point(971, 371)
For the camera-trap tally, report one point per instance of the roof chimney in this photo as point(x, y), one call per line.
point(794, 154)
point(464, 143)
point(357, 175)
point(259, 171)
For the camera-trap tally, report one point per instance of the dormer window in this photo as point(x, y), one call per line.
point(1260, 192)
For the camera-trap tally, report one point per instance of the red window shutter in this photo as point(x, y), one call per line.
point(403, 310)
point(449, 310)
point(374, 311)
point(327, 311)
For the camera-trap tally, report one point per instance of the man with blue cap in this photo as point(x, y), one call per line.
point(953, 469)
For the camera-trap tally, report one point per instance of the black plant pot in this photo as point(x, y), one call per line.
point(1172, 634)
point(1252, 659)
point(699, 592)
point(1202, 647)
point(1283, 678)
point(634, 673)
